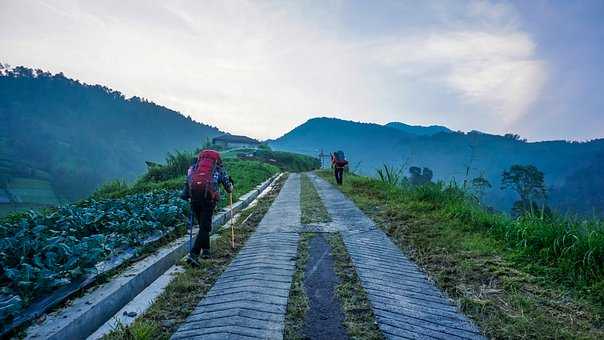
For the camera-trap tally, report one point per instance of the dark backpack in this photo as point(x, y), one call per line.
point(339, 159)
point(200, 181)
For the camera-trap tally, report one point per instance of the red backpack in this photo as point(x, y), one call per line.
point(339, 160)
point(201, 177)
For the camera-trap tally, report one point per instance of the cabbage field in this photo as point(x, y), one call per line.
point(42, 251)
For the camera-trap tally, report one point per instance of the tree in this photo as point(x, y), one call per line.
point(264, 146)
point(480, 185)
point(419, 176)
point(529, 183)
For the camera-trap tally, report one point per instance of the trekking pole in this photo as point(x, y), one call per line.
point(190, 230)
point(232, 226)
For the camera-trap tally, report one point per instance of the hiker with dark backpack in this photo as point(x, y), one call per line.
point(338, 162)
point(203, 180)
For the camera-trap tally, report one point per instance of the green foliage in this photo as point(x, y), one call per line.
point(265, 147)
point(479, 185)
point(176, 165)
point(245, 173)
point(419, 176)
point(44, 250)
point(143, 330)
point(529, 184)
point(390, 174)
point(140, 186)
point(108, 189)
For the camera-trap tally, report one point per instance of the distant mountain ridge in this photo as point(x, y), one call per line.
point(369, 146)
point(76, 136)
point(418, 129)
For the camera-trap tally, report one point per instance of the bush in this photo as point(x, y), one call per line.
point(176, 166)
point(108, 189)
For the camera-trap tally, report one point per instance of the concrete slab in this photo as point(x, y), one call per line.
point(394, 284)
point(249, 299)
point(138, 305)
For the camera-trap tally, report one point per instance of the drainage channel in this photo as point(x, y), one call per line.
point(324, 318)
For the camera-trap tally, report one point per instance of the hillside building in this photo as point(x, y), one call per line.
point(233, 141)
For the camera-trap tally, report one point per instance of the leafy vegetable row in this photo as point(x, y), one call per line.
point(43, 251)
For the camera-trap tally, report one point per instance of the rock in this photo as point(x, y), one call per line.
point(130, 314)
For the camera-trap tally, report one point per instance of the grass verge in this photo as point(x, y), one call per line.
point(358, 317)
point(297, 302)
point(507, 293)
point(313, 210)
point(186, 290)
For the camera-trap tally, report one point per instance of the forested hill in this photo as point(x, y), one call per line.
point(75, 136)
point(573, 171)
point(418, 130)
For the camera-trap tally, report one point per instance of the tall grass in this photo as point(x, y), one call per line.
point(571, 247)
point(176, 165)
point(390, 174)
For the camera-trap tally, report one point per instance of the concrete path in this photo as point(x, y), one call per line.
point(249, 300)
point(405, 303)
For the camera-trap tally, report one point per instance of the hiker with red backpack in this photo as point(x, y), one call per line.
point(338, 162)
point(203, 180)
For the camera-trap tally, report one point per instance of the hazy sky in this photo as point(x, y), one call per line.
point(260, 68)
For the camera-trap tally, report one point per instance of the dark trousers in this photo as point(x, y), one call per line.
point(203, 211)
point(339, 172)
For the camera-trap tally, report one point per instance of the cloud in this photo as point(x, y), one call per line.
point(498, 71)
point(260, 68)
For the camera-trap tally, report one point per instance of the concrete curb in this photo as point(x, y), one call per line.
point(86, 314)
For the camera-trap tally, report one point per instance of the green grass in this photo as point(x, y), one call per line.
point(288, 161)
point(297, 302)
point(358, 316)
point(517, 278)
point(311, 205)
point(183, 294)
point(245, 173)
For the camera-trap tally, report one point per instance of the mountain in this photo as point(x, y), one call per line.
point(450, 155)
point(59, 133)
point(419, 130)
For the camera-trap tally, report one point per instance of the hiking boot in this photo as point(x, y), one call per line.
point(193, 260)
point(206, 254)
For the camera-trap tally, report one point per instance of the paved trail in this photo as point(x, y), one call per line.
point(249, 300)
point(406, 304)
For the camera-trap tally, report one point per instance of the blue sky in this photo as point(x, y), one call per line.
point(261, 68)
